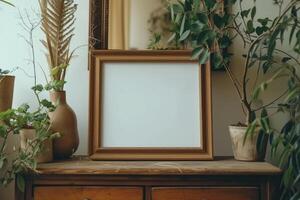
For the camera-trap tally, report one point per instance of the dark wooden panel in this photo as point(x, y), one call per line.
point(87, 193)
point(218, 193)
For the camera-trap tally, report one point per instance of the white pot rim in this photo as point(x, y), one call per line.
point(238, 127)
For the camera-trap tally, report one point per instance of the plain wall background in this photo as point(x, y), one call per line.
point(15, 52)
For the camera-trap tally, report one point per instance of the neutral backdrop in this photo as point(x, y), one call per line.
point(14, 52)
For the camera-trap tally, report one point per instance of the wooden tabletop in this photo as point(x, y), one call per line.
point(222, 166)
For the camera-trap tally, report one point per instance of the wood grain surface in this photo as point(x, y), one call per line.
point(223, 166)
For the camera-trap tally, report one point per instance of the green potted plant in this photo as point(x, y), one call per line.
point(33, 128)
point(58, 25)
point(285, 139)
point(285, 142)
point(209, 31)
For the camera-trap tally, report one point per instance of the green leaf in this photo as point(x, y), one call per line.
point(4, 72)
point(217, 60)
point(282, 159)
point(172, 37)
point(188, 5)
point(21, 183)
point(292, 94)
point(297, 180)
point(225, 42)
point(259, 30)
point(2, 163)
point(253, 12)
point(287, 127)
point(265, 121)
point(210, 4)
point(182, 25)
point(296, 196)
point(172, 12)
point(250, 131)
point(245, 13)
point(38, 88)
point(257, 93)
point(219, 21)
point(7, 2)
point(203, 18)
point(262, 140)
point(177, 8)
point(266, 66)
point(3, 131)
point(197, 27)
point(23, 108)
point(196, 52)
point(250, 27)
point(204, 56)
point(185, 35)
point(288, 173)
point(46, 103)
point(292, 32)
point(263, 22)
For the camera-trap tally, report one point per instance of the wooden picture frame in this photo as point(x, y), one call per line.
point(96, 149)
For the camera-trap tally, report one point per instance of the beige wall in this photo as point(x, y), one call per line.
point(13, 52)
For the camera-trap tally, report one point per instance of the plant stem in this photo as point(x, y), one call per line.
point(272, 102)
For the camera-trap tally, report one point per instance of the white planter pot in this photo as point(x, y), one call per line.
point(46, 155)
point(244, 151)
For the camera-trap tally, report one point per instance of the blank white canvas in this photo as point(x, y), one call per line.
point(151, 105)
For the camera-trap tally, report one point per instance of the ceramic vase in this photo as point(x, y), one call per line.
point(64, 121)
point(6, 92)
point(246, 151)
point(46, 154)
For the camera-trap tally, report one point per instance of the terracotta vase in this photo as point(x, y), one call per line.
point(64, 121)
point(46, 154)
point(246, 151)
point(6, 92)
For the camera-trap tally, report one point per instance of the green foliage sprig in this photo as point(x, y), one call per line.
point(14, 120)
point(203, 26)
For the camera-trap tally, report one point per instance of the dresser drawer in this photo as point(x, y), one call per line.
point(211, 193)
point(88, 193)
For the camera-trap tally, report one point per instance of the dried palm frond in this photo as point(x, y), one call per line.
point(58, 25)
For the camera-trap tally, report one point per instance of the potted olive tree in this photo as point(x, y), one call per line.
point(58, 17)
point(209, 31)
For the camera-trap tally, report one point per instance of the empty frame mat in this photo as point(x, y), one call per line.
point(149, 105)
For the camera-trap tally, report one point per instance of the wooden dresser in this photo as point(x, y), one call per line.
point(82, 179)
